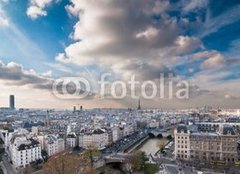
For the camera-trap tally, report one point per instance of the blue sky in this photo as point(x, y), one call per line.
point(197, 40)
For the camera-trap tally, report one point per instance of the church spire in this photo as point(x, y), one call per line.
point(139, 104)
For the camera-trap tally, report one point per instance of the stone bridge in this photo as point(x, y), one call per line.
point(116, 158)
point(159, 132)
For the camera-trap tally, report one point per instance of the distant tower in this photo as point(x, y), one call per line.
point(11, 102)
point(74, 109)
point(47, 121)
point(139, 104)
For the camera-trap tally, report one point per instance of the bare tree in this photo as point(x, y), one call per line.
point(27, 169)
point(161, 145)
point(68, 163)
point(135, 162)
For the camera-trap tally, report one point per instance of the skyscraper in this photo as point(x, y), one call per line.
point(11, 102)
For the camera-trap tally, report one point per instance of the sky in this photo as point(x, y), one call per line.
point(197, 41)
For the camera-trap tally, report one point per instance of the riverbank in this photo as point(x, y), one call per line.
point(151, 145)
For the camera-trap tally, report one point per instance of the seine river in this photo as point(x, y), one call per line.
point(151, 145)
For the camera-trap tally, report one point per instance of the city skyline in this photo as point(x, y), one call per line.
point(196, 41)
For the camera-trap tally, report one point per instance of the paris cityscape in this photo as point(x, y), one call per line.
point(119, 87)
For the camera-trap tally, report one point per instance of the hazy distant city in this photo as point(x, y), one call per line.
point(119, 87)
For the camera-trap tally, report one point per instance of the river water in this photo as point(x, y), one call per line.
point(151, 146)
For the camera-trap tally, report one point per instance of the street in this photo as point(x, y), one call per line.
point(8, 166)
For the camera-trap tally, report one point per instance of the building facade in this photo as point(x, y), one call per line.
point(24, 150)
point(53, 144)
point(71, 140)
point(211, 147)
point(97, 138)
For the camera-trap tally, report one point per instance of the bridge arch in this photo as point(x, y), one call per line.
point(151, 135)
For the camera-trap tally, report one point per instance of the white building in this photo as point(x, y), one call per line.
point(153, 124)
point(71, 140)
point(182, 142)
point(69, 129)
point(128, 129)
point(97, 138)
point(53, 144)
point(23, 150)
point(115, 134)
point(35, 130)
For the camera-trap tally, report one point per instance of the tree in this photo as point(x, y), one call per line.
point(68, 163)
point(28, 169)
point(91, 153)
point(162, 145)
point(136, 161)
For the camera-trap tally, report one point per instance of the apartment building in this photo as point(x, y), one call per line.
point(23, 150)
point(191, 144)
point(53, 144)
point(94, 137)
point(71, 140)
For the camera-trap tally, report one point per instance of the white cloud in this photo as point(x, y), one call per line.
point(149, 33)
point(37, 8)
point(213, 24)
point(215, 61)
point(4, 22)
point(186, 44)
point(211, 59)
point(122, 36)
point(191, 5)
point(34, 12)
point(4, 1)
point(14, 74)
point(59, 67)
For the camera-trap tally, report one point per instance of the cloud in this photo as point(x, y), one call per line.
point(34, 12)
point(122, 36)
point(14, 74)
point(59, 67)
point(214, 61)
point(212, 25)
point(37, 8)
point(191, 5)
point(4, 22)
point(4, 1)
